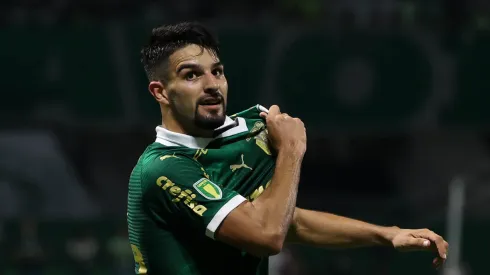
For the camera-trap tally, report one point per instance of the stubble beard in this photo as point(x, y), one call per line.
point(210, 122)
point(204, 122)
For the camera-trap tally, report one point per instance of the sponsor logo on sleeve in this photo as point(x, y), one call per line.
point(208, 189)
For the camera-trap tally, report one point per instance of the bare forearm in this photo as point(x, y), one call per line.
point(276, 205)
point(332, 231)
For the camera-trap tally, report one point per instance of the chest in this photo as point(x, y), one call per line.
point(245, 166)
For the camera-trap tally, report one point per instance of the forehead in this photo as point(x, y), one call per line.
point(193, 54)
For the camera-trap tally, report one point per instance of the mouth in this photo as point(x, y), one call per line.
point(211, 104)
point(210, 101)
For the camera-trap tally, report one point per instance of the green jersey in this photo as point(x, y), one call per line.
point(183, 187)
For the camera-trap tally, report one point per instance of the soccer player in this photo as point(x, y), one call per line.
point(216, 194)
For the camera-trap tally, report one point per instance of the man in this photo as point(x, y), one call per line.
point(217, 194)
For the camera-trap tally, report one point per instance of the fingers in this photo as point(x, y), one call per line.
point(437, 263)
point(274, 110)
point(419, 243)
point(440, 244)
point(424, 239)
point(414, 244)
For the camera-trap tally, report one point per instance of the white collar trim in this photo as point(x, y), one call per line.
point(169, 138)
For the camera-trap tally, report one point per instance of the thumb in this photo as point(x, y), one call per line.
point(419, 243)
point(274, 110)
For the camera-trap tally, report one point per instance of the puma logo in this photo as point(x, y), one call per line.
point(235, 167)
point(168, 156)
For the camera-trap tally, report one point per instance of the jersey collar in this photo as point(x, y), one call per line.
point(169, 138)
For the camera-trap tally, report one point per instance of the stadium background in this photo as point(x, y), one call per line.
point(394, 95)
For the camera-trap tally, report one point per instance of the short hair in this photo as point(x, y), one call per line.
point(167, 39)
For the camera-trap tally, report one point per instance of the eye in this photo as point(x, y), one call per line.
point(218, 72)
point(190, 76)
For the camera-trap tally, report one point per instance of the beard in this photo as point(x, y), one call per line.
point(209, 121)
point(205, 122)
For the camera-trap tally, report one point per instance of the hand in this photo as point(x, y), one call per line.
point(424, 240)
point(285, 132)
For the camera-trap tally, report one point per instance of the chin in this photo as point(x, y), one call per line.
point(210, 117)
point(210, 122)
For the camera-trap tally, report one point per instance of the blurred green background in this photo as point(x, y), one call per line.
point(394, 95)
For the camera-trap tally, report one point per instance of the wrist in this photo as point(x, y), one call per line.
point(296, 150)
point(387, 234)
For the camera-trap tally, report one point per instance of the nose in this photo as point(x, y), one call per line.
point(211, 85)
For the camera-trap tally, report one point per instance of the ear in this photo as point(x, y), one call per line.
point(158, 91)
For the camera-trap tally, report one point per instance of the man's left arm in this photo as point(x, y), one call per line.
point(331, 231)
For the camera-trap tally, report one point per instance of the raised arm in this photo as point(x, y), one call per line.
point(260, 227)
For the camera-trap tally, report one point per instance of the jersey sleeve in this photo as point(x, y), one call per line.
point(178, 188)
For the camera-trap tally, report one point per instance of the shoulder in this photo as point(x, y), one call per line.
point(170, 162)
point(158, 156)
point(171, 165)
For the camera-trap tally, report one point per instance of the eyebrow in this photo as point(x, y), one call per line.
point(195, 66)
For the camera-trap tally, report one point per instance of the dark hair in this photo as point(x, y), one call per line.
point(167, 39)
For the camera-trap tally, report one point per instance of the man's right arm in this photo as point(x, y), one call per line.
point(260, 227)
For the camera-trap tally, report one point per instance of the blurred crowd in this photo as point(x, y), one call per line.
point(392, 12)
point(80, 252)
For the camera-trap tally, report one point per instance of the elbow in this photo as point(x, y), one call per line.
point(275, 244)
point(271, 245)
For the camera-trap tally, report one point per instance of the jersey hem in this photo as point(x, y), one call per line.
point(222, 213)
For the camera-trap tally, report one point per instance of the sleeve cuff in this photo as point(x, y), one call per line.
point(222, 213)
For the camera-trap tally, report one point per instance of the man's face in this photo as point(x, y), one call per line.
point(197, 88)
